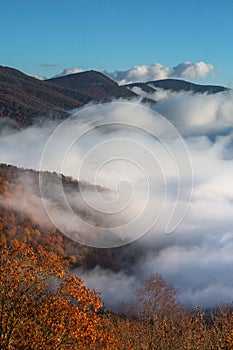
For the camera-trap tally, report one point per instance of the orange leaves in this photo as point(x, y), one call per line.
point(158, 322)
point(43, 306)
point(3, 185)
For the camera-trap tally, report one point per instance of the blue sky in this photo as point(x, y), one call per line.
point(46, 36)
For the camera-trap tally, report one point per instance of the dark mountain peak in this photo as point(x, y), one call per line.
point(95, 85)
point(8, 74)
point(24, 99)
point(90, 77)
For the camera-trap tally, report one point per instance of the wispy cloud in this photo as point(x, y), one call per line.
point(68, 71)
point(39, 77)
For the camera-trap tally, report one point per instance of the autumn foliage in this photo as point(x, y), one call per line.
point(43, 306)
point(17, 223)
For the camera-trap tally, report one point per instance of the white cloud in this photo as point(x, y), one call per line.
point(157, 71)
point(39, 77)
point(191, 70)
point(68, 71)
point(198, 113)
point(158, 94)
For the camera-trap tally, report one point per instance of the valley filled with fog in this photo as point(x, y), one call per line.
point(167, 169)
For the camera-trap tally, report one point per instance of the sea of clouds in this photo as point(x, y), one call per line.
point(170, 164)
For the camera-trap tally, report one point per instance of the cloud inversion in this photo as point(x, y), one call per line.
point(197, 257)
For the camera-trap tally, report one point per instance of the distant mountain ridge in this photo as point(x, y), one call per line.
point(24, 99)
point(94, 85)
point(177, 85)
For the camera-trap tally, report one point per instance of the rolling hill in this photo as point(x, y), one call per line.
point(25, 100)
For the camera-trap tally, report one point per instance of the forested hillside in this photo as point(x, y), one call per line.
point(24, 100)
point(45, 306)
point(18, 224)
